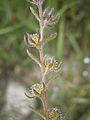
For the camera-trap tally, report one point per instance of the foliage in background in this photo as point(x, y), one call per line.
point(72, 44)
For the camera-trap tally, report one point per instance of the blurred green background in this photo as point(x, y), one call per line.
point(71, 89)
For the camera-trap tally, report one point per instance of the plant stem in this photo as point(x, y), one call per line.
point(44, 99)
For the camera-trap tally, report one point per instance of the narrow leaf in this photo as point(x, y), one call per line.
point(38, 113)
point(33, 57)
point(50, 13)
point(51, 79)
point(45, 13)
point(35, 14)
point(51, 37)
point(55, 19)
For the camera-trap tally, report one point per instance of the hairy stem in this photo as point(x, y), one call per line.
point(44, 99)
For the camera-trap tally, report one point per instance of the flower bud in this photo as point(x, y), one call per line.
point(32, 40)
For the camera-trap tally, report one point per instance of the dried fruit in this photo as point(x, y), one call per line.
point(51, 64)
point(54, 114)
point(35, 90)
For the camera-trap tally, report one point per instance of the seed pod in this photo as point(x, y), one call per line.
point(35, 90)
point(51, 64)
point(54, 114)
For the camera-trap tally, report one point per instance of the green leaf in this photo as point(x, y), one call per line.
point(50, 37)
point(38, 113)
point(33, 58)
point(55, 20)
